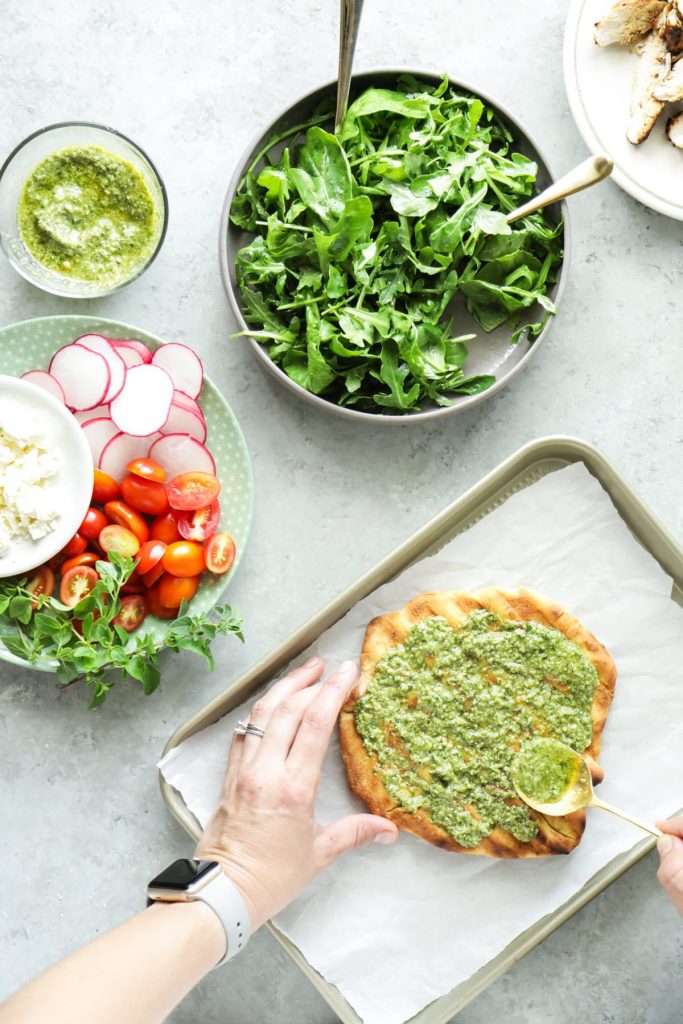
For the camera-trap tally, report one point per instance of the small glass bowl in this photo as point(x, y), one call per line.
point(19, 165)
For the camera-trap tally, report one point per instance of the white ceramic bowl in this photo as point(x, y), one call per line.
point(71, 487)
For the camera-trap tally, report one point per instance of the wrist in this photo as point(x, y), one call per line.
point(198, 927)
point(253, 894)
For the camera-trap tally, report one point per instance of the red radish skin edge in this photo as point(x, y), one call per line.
point(98, 433)
point(44, 380)
point(180, 398)
point(183, 366)
point(142, 395)
point(182, 420)
point(117, 368)
point(131, 343)
point(121, 450)
point(180, 453)
point(98, 413)
point(89, 364)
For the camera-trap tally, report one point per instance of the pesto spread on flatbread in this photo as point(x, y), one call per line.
point(447, 709)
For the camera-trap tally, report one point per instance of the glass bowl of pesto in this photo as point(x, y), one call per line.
point(83, 210)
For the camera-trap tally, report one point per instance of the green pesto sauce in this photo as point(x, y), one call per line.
point(447, 710)
point(88, 214)
point(545, 769)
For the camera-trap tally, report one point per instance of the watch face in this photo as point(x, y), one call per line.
point(182, 873)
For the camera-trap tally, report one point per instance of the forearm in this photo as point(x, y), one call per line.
point(138, 972)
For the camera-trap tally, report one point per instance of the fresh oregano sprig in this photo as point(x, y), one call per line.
point(86, 643)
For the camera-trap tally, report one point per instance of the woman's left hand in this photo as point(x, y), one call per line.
point(263, 830)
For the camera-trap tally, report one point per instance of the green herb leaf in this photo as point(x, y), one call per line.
point(364, 241)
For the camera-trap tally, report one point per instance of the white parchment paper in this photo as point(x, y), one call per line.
point(395, 927)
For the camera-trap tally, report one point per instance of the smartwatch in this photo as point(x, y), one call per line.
point(184, 881)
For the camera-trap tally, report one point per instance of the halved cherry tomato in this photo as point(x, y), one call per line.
point(192, 490)
point(149, 555)
point(120, 540)
point(155, 607)
point(151, 577)
point(220, 553)
point(133, 584)
point(104, 488)
point(172, 591)
point(77, 584)
point(76, 546)
point(93, 524)
point(123, 515)
point(199, 523)
point(147, 468)
point(165, 528)
point(86, 558)
point(42, 584)
point(144, 495)
point(184, 558)
point(131, 613)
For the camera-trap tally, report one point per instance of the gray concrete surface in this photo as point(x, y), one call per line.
point(82, 821)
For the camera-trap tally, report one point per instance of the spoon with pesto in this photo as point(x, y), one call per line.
point(553, 779)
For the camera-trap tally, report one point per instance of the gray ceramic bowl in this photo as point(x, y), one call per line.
point(490, 353)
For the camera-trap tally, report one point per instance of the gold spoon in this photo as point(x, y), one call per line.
point(579, 791)
point(596, 168)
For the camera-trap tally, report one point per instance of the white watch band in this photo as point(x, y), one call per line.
point(227, 903)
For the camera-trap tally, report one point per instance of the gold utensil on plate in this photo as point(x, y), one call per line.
point(596, 168)
point(579, 792)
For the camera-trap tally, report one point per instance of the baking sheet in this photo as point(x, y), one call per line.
point(395, 928)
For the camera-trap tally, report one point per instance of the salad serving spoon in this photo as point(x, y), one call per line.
point(349, 21)
point(578, 794)
point(589, 172)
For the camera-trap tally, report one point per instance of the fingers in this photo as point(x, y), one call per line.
point(283, 726)
point(670, 874)
point(348, 833)
point(673, 826)
point(301, 677)
point(318, 721)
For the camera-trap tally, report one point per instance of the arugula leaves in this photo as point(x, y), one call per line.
point(363, 239)
point(88, 644)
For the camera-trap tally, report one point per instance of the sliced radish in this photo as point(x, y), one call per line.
point(184, 421)
point(130, 356)
point(45, 381)
point(98, 433)
point(84, 376)
point(178, 453)
point(180, 398)
point(117, 367)
point(131, 343)
point(121, 450)
point(183, 366)
point(99, 412)
point(143, 406)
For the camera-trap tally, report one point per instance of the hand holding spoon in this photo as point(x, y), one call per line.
point(553, 779)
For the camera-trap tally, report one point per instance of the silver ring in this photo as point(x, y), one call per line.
point(247, 729)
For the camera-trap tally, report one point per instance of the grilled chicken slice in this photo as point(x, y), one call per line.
point(654, 65)
point(627, 21)
point(673, 30)
point(671, 89)
point(674, 131)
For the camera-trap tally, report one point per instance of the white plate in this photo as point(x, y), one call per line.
point(71, 487)
point(598, 83)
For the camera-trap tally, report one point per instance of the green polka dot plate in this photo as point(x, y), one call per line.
point(29, 345)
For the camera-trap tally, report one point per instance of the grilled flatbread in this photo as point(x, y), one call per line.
point(387, 633)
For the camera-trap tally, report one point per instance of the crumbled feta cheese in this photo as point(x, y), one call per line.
point(27, 467)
